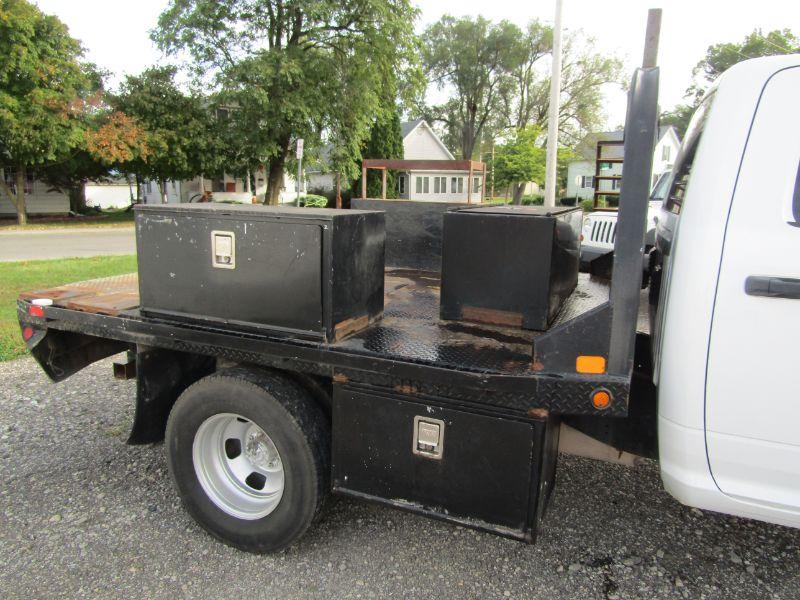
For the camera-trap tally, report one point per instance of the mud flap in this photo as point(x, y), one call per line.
point(162, 376)
point(64, 353)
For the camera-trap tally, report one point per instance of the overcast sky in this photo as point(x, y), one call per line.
point(115, 32)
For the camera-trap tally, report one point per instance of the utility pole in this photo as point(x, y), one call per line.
point(493, 167)
point(550, 182)
point(299, 169)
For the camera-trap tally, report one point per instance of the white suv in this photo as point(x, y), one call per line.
point(600, 227)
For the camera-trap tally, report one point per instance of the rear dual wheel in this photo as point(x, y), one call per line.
point(249, 451)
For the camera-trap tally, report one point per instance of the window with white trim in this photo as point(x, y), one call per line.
point(587, 181)
point(665, 151)
point(476, 185)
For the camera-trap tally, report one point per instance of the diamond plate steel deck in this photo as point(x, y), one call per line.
point(412, 331)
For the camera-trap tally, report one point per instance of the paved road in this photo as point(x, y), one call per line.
point(65, 243)
point(84, 515)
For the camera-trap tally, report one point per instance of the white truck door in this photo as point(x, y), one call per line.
point(753, 373)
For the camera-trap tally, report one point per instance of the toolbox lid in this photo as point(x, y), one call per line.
point(261, 210)
point(513, 210)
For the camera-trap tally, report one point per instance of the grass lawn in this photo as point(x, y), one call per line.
point(17, 277)
point(113, 217)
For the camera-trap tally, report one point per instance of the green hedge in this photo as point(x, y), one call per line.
point(313, 200)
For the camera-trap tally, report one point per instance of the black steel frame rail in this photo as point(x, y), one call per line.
point(561, 393)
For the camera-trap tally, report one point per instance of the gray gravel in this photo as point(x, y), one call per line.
point(83, 514)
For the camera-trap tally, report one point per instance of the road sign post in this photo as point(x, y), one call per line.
point(299, 169)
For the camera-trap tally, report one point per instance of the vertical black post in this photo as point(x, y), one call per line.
point(641, 127)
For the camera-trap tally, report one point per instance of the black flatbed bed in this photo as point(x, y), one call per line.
point(409, 347)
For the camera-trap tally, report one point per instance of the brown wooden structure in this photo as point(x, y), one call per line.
point(600, 159)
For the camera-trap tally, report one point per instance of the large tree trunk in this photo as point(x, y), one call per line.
point(12, 197)
point(163, 185)
point(22, 214)
point(138, 189)
point(77, 198)
point(519, 188)
point(467, 142)
point(275, 179)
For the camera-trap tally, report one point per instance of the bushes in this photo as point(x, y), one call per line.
point(331, 195)
point(313, 200)
point(533, 200)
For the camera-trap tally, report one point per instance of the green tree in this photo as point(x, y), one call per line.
point(385, 141)
point(109, 140)
point(472, 60)
point(721, 57)
point(498, 79)
point(41, 83)
point(678, 117)
point(178, 127)
point(519, 161)
point(295, 69)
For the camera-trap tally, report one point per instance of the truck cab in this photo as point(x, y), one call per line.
point(725, 299)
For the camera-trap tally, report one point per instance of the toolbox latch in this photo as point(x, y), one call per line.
point(223, 249)
point(428, 437)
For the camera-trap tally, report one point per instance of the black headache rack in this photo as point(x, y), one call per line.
point(409, 376)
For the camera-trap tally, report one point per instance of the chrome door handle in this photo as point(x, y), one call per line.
point(772, 287)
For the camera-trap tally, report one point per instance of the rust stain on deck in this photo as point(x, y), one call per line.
point(105, 296)
point(491, 316)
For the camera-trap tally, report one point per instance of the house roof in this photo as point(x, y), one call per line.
point(588, 146)
point(408, 126)
point(320, 164)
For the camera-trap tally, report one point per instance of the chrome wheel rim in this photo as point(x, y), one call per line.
point(238, 466)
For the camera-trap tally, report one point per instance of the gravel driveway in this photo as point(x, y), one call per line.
point(83, 514)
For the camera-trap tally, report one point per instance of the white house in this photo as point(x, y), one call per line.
point(581, 172)
point(116, 193)
point(40, 198)
point(223, 189)
point(420, 143)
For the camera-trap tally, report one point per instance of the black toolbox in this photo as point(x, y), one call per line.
point(315, 273)
point(509, 265)
point(439, 457)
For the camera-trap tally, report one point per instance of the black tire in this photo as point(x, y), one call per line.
point(300, 432)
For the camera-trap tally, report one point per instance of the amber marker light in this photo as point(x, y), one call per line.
point(601, 399)
point(590, 364)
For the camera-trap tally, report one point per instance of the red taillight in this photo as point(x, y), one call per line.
point(36, 311)
point(27, 333)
